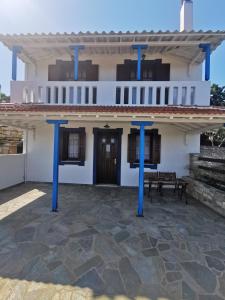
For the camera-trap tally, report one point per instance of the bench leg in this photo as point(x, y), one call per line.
point(160, 189)
point(150, 191)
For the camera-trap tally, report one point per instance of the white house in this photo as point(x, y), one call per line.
point(88, 98)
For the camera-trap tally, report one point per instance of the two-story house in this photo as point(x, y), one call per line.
point(102, 107)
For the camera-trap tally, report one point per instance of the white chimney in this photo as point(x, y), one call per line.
point(186, 15)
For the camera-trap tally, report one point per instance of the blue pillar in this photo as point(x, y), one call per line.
point(141, 164)
point(139, 48)
point(15, 51)
point(206, 48)
point(76, 50)
point(56, 124)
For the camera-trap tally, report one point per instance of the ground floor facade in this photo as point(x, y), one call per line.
point(105, 154)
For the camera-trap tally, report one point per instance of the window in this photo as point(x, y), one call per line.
point(151, 70)
point(72, 146)
point(152, 148)
point(64, 71)
point(147, 147)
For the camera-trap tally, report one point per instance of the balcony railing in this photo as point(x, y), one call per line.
point(132, 93)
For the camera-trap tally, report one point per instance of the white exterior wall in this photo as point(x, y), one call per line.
point(175, 151)
point(179, 70)
point(11, 170)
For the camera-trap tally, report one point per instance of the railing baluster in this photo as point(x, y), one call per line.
point(52, 101)
point(60, 95)
point(188, 99)
point(170, 99)
point(122, 95)
point(162, 95)
point(154, 95)
point(82, 95)
point(193, 91)
point(179, 95)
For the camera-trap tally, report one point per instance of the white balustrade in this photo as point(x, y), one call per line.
point(132, 93)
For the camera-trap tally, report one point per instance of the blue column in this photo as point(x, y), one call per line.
point(15, 51)
point(56, 124)
point(76, 50)
point(139, 48)
point(141, 164)
point(206, 48)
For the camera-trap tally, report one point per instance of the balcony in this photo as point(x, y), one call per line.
point(132, 93)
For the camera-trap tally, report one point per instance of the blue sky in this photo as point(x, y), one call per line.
point(23, 16)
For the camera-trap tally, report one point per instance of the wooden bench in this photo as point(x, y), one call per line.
point(167, 179)
point(150, 178)
point(164, 179)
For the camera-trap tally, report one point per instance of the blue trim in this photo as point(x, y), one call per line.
point(206, 48)
point(142, 125)
point(141, 171)
point(76, 50)
point(15, 51)
point(60, 122)
point(55, 168)
point(147, 166)
point(139, 48)
point(139, 64)
point(56, 124)
point(119, 132)
point(96, 132)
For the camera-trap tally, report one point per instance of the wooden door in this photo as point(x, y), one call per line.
point(107, 158)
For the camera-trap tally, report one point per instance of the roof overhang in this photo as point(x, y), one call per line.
point(183, 45)
point(186, 119)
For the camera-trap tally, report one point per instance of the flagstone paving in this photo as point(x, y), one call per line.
point(96, 247)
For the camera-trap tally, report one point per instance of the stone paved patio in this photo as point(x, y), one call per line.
point(96, 247)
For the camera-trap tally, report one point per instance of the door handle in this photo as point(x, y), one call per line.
point(115, 161)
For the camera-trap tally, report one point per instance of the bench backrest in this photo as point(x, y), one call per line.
point(167, 176)
point(151, 176)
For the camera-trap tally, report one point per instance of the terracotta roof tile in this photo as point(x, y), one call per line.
point(37, 108)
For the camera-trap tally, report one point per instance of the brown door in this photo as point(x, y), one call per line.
point(107, 158)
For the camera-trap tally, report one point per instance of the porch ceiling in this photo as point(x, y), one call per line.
point(185, 119)
point(183, 45)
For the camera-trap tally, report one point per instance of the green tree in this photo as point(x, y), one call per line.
point(4, 98)
point(216, 137)
point(217, 97)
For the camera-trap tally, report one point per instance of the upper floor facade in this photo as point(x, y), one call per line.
point(123, 68)
point(146, 68)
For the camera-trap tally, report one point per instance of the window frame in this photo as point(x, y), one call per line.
point(64, 138)
point(148, 163)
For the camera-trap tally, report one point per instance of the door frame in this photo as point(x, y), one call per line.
point(118, 132)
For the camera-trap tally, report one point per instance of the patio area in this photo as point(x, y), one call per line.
point(96, 247)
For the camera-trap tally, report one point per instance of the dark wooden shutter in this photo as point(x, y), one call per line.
point(52, 73)
point(63, 144)
point(163, 72)
point(131, 157)
point(121, 73)
point(82, 148)
point(65, 141)
point(155, 147)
